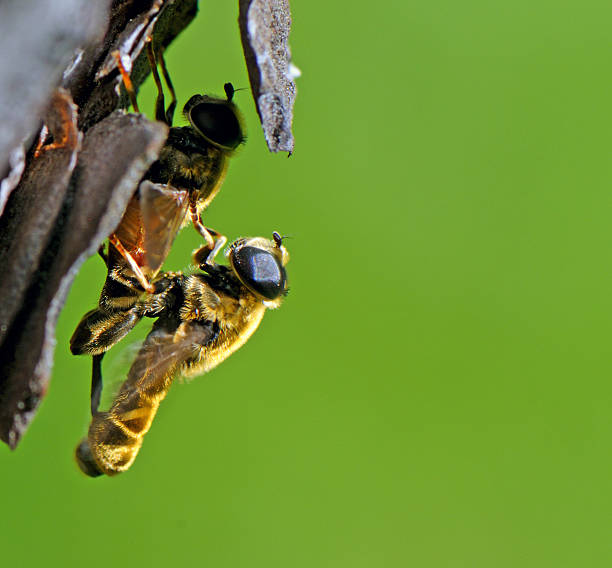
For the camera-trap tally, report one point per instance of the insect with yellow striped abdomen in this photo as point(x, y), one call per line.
point(176, 189)
point(202, 318)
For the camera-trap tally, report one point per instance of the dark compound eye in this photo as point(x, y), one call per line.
point(217, 122)
point(261, 271)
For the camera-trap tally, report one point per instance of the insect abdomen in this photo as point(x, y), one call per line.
point(115, 437)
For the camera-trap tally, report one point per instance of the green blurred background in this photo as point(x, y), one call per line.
point(435, 391)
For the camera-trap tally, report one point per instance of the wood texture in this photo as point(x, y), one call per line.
point(264, 28)
point(58, 205)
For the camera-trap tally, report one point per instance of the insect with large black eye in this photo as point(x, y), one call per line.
point(177, 188)
point(202, 319)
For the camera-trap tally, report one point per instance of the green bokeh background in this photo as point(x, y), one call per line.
point(435, 391)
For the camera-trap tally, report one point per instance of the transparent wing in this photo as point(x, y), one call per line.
point(164, 353)
point(163, 211)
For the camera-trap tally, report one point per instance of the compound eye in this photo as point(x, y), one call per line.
point(260, 271)
point(218, 123)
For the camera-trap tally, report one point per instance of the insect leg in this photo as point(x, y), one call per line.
point(172, 105)
point(196, 219)
point(100, 329)
point(96, 382)
point(103, 255)
point(142, 279)
point(159, 102)
point(129, 87)
point(206, 254)
point(219, 244)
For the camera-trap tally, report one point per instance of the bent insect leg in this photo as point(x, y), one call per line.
point(206, 254)
point(127, 82)
point(160, 103)
point(172, 105)
point(96, 382)
point(140, 276)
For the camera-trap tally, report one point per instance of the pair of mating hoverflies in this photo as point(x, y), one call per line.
point(201, 318)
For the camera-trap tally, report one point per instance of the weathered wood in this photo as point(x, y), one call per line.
point(37, 41)
point(264, 28)
point(94, 201)
point(69, 199)
point(73, 193)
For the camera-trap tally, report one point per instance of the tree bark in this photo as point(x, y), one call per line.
point(59, 204)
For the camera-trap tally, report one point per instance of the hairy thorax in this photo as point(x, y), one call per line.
point(237, 318)
point(189, 162)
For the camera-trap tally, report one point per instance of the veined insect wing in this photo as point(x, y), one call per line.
point(163, 352)
point(163, 211)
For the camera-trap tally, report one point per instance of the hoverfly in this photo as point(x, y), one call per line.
point(202, 318)
point(186, 177)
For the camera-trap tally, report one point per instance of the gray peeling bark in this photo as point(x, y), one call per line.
point(264, 28)
point(71, 196)
point(130, 143)
point(56, 208)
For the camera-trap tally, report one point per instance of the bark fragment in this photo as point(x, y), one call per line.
point(37, 41)
point(264, 28)
point(72, 195)
point(129, 143)
point(69, 199)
